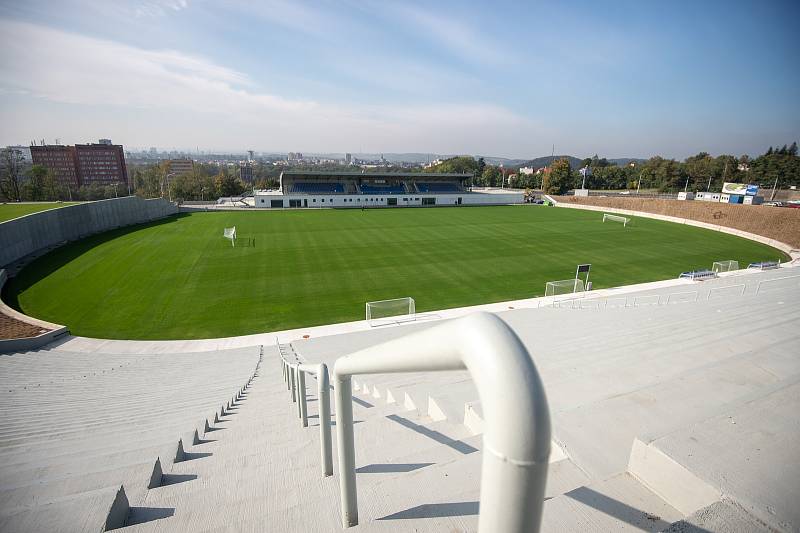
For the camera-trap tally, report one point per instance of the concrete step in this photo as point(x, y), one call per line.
point(736, 452)
point(135, 478)
point(665, 406)
point(721, 517)
point(98, 510)
point(620, 503)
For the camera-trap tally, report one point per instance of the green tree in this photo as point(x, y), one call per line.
point(491, 176)
point(227, 184)
point(559, 179)
point(461, 164)
point(10, 173)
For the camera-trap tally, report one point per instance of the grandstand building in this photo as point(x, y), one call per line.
point(379, 189)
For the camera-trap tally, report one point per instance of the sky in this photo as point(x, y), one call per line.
point(624, 78)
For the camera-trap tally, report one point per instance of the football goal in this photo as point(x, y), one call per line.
point(724, 266)
point(565, 286)
point(383, 312)
point(230, 233)
point(616, 218)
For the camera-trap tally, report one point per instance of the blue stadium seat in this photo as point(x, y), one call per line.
point(317, 188)
point(383, 189)
point(438, 187)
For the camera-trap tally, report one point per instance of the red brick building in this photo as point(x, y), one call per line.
point(84, 164)
point(60, 160)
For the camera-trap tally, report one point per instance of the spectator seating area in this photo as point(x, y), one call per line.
point(372, 188)
point(317, 187)
point(85, 436)
point(439, 187)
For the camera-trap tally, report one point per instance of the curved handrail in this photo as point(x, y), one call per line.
point(516, 441)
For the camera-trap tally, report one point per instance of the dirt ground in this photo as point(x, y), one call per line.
point(779, 223)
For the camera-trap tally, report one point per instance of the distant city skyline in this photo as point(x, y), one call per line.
point(619, 79)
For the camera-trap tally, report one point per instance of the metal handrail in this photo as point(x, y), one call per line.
point(767, 281)
point(516, 441)
point(741, 286)
point(678, 294)
point(294, 375)
point(324, 400)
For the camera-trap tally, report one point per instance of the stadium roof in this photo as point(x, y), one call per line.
point(322, 173)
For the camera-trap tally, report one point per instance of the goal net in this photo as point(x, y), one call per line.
point(230, 233)
point(724, 266)
point(616, 218)
point(382, 312)
point(565, 286)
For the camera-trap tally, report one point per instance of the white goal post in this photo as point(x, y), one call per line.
point(382, 312)
point(230, 233)
point(725, 266)
point(565, 286)
point(616, 218)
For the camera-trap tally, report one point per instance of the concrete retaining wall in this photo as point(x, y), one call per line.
point(776, 226)
point(54, 331)
point(25, 235)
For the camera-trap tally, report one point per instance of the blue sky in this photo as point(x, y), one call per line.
point(623, 78)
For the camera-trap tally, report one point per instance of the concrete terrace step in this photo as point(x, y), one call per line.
point(97, 510)
point(64, 443)
point(668, 405)
point(721, 517)
point(135, 478)
point(738, 452)
point(620, 503)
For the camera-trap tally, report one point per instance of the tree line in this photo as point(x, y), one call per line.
point(702, 172)
point(779, 167)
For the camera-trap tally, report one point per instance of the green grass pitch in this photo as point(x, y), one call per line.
point(180, 279)
point(14, 210)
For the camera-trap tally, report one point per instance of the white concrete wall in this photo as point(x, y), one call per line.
point(378, 200)
point(25, 235)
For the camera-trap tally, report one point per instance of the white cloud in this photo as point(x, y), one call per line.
point(458, 36)
point(158, 8)
point(193, 101)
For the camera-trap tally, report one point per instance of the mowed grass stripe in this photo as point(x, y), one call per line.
point(179, 278)
point(10, 211)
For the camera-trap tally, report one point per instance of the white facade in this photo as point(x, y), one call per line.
point(279, 200)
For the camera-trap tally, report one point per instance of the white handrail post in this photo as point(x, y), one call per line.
point(516, 440)
point(293, 383)
point(303, 406)
point(324, 398)
point(347, 456)
point(324, 403)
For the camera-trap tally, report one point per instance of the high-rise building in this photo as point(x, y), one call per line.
point(180, 166)
point(83, 164)
point(246, 172)
point(24, 151)
point(348, 158)
point(60, 160)
point(101, 163)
